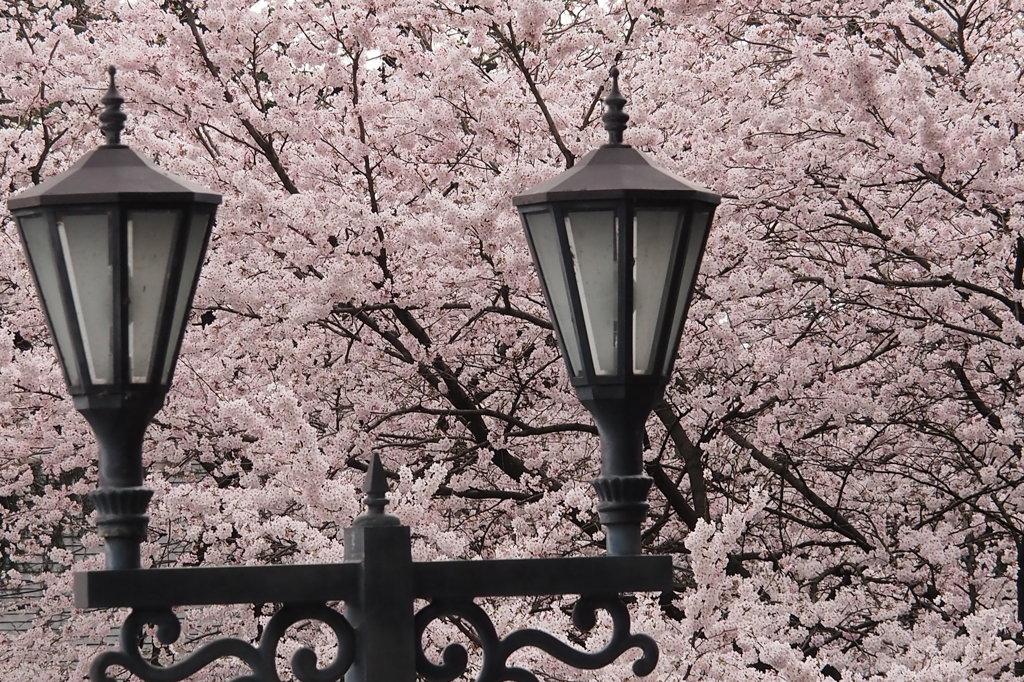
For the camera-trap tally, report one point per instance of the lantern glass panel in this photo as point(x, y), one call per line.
point(694, 241)
point(654, 236)
point(150, 249)
point(85, 242)
point(543, 235)
point(198, 230)
point(593, 242)
point(38, 243)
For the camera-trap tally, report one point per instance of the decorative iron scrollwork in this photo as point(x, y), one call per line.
point(496, 651)
point(260, 659)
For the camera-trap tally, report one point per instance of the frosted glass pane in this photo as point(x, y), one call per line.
point(198, 229)
point(654, 236)
point(150, 241)
point(592, 240)
point(540, 228)
point(694, 241)
point(36, 235)
point(85, 241)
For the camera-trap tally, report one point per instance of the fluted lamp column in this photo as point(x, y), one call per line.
point(617, 243)
point(115, 246)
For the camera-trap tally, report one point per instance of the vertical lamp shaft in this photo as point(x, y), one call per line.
point(622, 486)
point(121, 500)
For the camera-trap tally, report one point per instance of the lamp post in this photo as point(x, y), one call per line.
point(617, 243)
point(115, 246)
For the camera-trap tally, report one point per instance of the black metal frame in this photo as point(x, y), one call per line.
point(625, 384)
point(88, 394)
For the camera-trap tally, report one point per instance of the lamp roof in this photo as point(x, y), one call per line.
point(113, 173)
point(109, 174)
point(615, 171)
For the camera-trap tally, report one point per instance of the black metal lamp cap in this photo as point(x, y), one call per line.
point(615, 171)
point(112, 118)
point(113, 173)
point(614, 117)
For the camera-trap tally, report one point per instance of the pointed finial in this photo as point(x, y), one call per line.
point(375, 486)
point(614, 117)
point(112, 118)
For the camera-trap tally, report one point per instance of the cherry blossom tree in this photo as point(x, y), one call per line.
point(837, 463)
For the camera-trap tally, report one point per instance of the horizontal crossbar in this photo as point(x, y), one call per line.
point(315, 583)
point(153, 587)
point(532, 577)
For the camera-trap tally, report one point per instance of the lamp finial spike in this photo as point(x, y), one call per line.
point(112, 118)
point(614, 117)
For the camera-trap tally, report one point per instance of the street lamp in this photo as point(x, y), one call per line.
point(115, 247)
point(617, 243)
